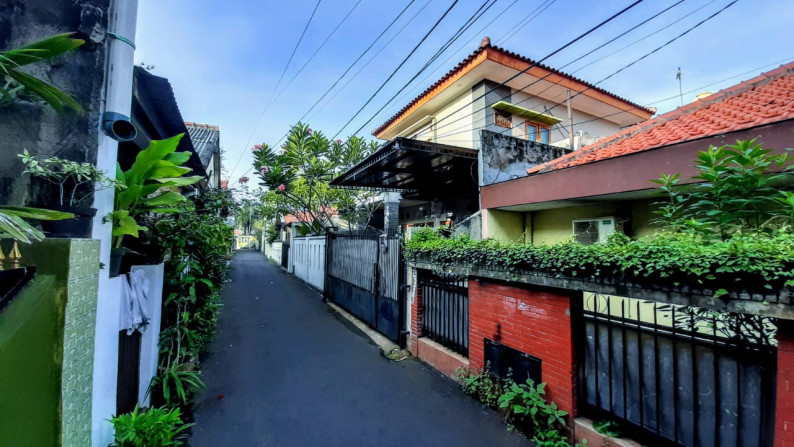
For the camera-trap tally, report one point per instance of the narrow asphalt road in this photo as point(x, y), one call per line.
point(292, 373)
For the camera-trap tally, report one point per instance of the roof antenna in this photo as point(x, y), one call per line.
point(678, 76)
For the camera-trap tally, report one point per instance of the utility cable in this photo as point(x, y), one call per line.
point(269, 101)
point(588, 53)
point(360, 56)
point(463, 28)
point(399, 66)
point(669, 42)
point(535, 64)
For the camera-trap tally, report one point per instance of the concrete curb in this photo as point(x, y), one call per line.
point(387, 347)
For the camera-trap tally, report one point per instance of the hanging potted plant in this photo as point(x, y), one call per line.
point(149, 186)
point(76, 183)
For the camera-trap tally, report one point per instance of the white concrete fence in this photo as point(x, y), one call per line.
point(307, 259)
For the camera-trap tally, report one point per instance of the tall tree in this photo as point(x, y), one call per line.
point(296, 179)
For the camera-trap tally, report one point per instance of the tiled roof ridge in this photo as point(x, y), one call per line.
point(201, 125)
point(486, 45)
point(687, 109)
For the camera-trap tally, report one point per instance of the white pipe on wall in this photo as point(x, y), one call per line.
point(118, 99)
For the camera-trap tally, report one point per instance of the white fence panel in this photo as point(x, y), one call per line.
point(307, 255)
point(275, 252)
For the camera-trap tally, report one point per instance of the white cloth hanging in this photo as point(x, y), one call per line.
point(133, 315)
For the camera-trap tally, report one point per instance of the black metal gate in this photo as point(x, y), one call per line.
point(364, 274)
point(285, 254)
point(675, 375)
point(445, 298)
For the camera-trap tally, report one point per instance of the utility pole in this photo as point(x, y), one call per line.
point(678, 76)
point(570, 120)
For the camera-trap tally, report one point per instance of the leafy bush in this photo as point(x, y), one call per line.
point(745, 261)
point(482, 385)
point(154, 427)
point(525, 406)
point(528, 411)
point(195, 244)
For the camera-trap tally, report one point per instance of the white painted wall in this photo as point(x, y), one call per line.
point(450, 124)
point(307, 256)
point(106, 360)
point(151, 335)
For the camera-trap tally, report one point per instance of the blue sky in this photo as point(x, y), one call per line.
point(224, 58)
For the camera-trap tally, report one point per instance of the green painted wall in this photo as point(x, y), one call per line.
point(31, 354)
point(505, 225)
point(555, 225)
point(50, 326)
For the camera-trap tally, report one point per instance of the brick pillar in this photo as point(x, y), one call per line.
point(417, 315)
point(391, 213)
point(784, 411)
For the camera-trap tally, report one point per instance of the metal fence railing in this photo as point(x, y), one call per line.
point(676, 375)
point(446, 310)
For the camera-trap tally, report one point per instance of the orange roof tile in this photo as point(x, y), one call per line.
point(765, 99)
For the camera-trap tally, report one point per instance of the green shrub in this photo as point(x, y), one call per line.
point(153, 427)
point(482, 385)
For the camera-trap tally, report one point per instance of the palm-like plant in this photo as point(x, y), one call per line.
point(13, 225)
point(14, 81)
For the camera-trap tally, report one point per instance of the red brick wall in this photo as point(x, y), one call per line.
point(784, 413)
point(532, 321)
point(417, 317)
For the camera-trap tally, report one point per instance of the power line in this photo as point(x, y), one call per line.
point(636, 60)
point(400, 66)
point(443, 64)
point(463, 28)
point(385, 30)
point(269, 101)
point(534, 64)
point(670, 98)
point(526, 21)
point(300, 70)
point(371, 59)
point(588, 53)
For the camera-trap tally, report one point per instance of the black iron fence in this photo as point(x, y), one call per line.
point(674, 375)
point(446, 310)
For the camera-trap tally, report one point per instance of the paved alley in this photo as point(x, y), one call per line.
point(292, 373)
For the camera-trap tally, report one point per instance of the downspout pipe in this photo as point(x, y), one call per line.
point(115, 127)
point(121, 60)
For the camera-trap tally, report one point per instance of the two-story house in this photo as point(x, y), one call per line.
point(489, 119)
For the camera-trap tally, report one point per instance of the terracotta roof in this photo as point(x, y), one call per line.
point(303, 216)
point(486, 45)
point(765, 99)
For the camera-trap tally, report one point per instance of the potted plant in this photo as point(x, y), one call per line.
point(76, 184)
point(149, 186)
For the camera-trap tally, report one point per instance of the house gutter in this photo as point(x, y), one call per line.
point(115, 126)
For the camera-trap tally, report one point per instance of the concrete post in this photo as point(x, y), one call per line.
point(391, 213)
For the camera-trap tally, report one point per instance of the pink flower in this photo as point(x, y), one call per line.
point(281, 152)
point(338, 140)
point(243, 179)
point(281, 187)
point(265, 169)
point(309, 130)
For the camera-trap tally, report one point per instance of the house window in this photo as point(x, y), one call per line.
point(503, 119)
point(538, 132)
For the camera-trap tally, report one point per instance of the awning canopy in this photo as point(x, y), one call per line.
point(403, 164)
point(523, 112)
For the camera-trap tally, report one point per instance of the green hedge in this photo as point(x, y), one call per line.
point(745, 262)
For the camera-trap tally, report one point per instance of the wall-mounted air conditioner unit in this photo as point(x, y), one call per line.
point(595, 229)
